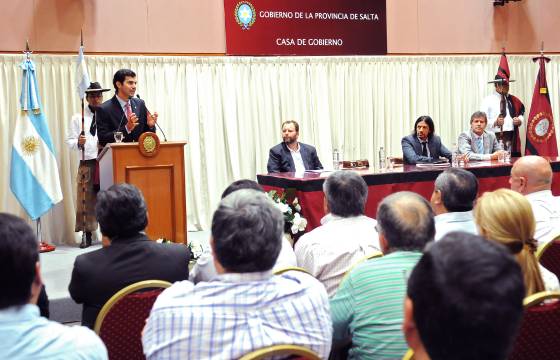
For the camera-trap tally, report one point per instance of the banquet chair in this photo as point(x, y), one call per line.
point(537, 337)
point(290, 268)
point(549, 255)
point(296, 352)
point(122, 318)
point(409, 355)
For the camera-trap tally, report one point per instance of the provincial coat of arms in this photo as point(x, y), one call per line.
point(541, 127)
point(245, 14)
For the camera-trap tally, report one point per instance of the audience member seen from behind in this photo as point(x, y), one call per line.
point(345, 236)
point(478, 143)
point(453, 199)
point(24, 333)
point(245, 307)
point(464, 300)
point(532, 176)
point(506, 217)
point(291, 155)
point(367, 309)
point(204, 269)
point(131, 256)
point(423, 146)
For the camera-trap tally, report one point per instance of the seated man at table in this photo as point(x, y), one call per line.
point(423, 146)
point(246, 307)
point(464, 300)
point(532, 176)
point(131, 256)
point(291, 155)
point(479, 143)
point(345, 236)
point(367, 308)
point(455, 191)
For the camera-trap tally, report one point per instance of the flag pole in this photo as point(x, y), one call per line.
point(43, 245)
point(83, 163)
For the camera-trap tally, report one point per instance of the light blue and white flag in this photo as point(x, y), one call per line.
point(82, 76)
point(34, 172)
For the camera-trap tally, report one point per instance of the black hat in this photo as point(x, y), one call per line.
point(95, 87)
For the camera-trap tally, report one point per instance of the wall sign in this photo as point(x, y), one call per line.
point(306, 27)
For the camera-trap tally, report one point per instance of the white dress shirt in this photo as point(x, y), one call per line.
point(329, 250)
point(74, 131)
point(455, 221)
point(546, 208)
point(204, 269)
point(491, 106)
point(298, 160)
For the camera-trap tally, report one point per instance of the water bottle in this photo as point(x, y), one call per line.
point(382, 158)
point(336, 159)
point(455, 156)
point(501, 156)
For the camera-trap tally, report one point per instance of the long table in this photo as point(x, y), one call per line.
point(309, 186)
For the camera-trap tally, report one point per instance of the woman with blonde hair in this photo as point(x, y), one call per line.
point(505, 216)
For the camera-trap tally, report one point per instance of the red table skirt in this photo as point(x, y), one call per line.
point(410, 178)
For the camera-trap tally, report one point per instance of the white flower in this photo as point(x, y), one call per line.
point(282, 207)
point(298, 224)
point(295, 201)
point(159, 241)
point(297, 207)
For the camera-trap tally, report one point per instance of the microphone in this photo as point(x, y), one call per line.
point(159, 127)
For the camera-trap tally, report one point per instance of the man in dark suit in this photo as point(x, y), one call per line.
point(291, 155)
point(423, 146)
point(123, 112)
point(130, 257)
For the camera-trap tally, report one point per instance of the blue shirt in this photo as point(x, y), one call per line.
point(237, 313)
point(24, 334)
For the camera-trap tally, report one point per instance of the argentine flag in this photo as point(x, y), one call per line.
point(34, 171)
point(82, 76)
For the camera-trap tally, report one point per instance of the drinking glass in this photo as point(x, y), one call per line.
point(118, 135)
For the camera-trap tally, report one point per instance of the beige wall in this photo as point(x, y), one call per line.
point(197, 26)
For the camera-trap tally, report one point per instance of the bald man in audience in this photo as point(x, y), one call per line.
point(453, 199)
point(532, 177)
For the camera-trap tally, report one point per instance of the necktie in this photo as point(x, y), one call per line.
point(128, 110)
point(93, 126)
point(424, 148)
point(480, 145)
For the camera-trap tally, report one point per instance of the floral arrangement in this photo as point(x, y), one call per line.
point(195, 249)
point(288, 204)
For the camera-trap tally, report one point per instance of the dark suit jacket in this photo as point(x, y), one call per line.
point(110, 117)
point(280, 158)
point(98, 275)
point(412, 150)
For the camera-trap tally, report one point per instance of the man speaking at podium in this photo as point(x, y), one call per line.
point(124, 117)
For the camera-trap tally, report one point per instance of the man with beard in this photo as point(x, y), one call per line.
point(291, 155)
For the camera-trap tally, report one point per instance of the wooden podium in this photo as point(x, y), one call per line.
point(160, 177)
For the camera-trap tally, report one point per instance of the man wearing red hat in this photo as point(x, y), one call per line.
point(504, 111)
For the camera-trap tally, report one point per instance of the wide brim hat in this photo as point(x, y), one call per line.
point(500, 80)
point(95, 87)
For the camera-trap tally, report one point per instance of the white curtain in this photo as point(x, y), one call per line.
point(229, 110)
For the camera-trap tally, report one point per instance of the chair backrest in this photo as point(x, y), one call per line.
point(409, 355)
point(538, 335)
point(290, 268)
point(298, 352)
point(122, 318)
point(549, 255)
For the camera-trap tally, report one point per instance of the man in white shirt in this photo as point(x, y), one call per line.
point(82, 137)
point(205, 270)
point(345, 236)
point(291, 155)
point(478, 143)
point(504, 111)
point(532, 177)
point(453, 199)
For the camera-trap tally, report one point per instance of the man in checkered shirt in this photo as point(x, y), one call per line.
point(245, 307)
